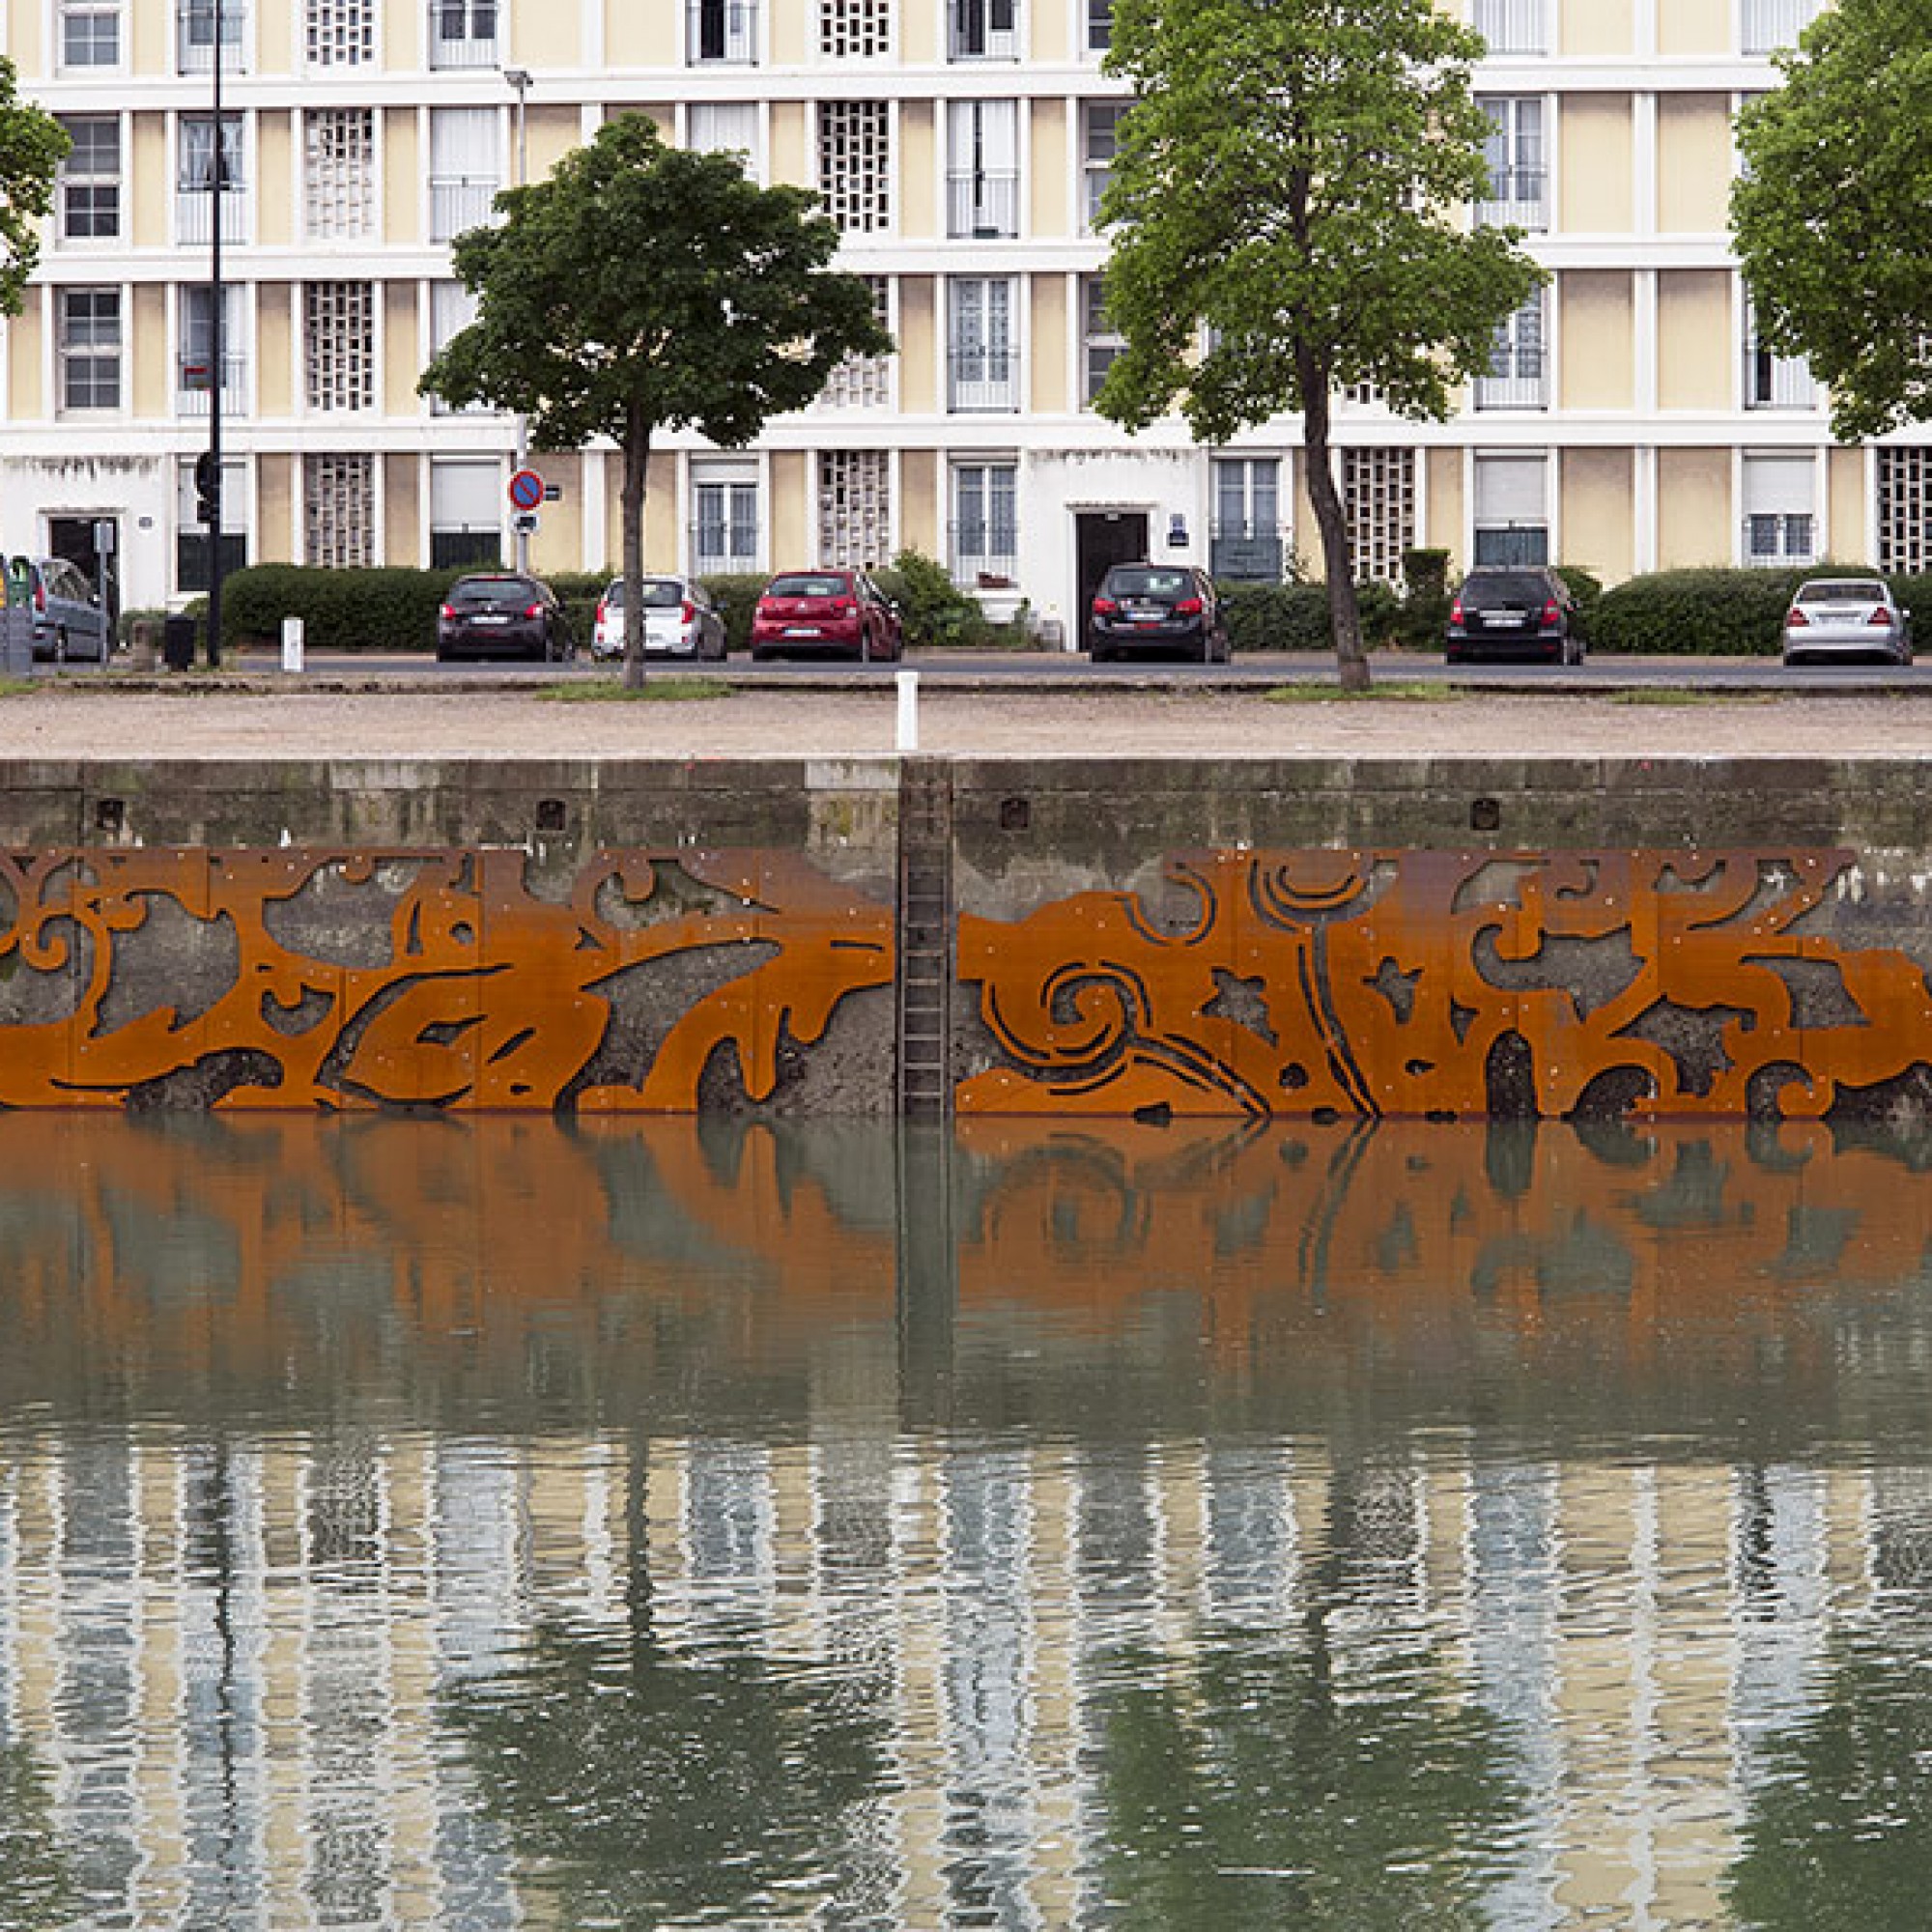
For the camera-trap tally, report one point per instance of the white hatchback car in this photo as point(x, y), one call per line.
point(1847, 617)
point(680, 620)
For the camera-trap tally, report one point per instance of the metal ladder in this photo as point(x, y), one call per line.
point(926, 939)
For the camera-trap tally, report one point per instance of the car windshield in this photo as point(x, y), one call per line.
point(1495, 589)
point(1843, 591)
point(492, 590)
point(1148, 582)
point(654, 593)
point(806, 584)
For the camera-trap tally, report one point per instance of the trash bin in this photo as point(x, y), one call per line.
point(177, 642)
point(16, 640)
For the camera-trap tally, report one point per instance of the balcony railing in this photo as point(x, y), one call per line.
point(194, 215)
point(462, 34)
point(985, 554)
point(194, 389)
point(983, 379)
point(459, 201)
point(1777, 381)
point(1519, 389)
point(1246, 552)
point(1519, 198)
point(984, 204)
point(194, 37)
point(722, 550)
point(1514, 26)
point(984, 30)
point(721, 30)
point(1772, 24)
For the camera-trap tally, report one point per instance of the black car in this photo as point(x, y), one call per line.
point(501, 614)
point(1156, 607)
point(1515, 611)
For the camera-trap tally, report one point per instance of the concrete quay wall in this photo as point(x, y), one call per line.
point(1441, 936)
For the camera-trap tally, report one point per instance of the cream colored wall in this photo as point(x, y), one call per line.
point(639, 35)
point(401, 353)
point(150, 389)
point(1445, 506)
point(544, 33)
point(150, 40)
point(1694, 164)
point(550, 133)
point(919, 343)
point(26, 344)
point(791, 148)
point(921, 519)
point(274, 350)
point(1049, 213)
point(918, 190)
point(558, 542)
point(399, 34)
point(275, 506)
point(400, 132)
point(1846, 535)
point(1694, 26)
point(1596, 311)
point(919, 36)
point(791, 511)
point(1594, 134)
point(1599, 26)
point(788, 25)
point(1595, 489)
point(401, 508)
point(274, 180)
point(1049, 392)
point(1696, 340)
point(149, 184)
point(1048, 26)
point(1693, 508)
point(23, 42)
point(275, 29)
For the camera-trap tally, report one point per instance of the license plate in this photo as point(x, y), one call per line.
point(485, 619)
point(1505, 620)
point(801, 630)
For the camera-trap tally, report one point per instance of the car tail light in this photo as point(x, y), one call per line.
point(1795, 619)
point(603, 609)
point(1881, 616)
point(448, 612)
point(1552, 612)
point(1456, 612)
point(843, 607)
point(689, 611)
point(1188, 606)
point(40, 595)
point(1105, 606)
point(533, 610)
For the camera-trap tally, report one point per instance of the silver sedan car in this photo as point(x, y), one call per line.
point(1846, 617)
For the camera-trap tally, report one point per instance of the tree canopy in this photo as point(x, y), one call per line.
point(33, 144)
point(639, 288)
point(1833, 215)
point(1275, 244)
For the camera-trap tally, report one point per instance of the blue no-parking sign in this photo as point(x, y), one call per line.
point(526, 490)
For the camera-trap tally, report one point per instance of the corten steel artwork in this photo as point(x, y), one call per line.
point(1408, 983)
point(419, 978)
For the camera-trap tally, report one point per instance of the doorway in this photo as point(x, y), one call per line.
point(91, 544)
point(1101, 539)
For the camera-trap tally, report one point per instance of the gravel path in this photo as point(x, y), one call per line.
point(72, 722)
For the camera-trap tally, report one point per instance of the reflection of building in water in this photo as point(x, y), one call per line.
point(230, 1660)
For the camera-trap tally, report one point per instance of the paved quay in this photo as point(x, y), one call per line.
point(334, 712)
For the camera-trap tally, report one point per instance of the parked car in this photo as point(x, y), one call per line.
point(813, 611)
point(69, 620)
point(1156, 607)
point(680, 619)
point(1515, 611)
point(1846, 617)
point(500, 613)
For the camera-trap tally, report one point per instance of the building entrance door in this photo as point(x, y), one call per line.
point(1101, 539)
point(80, 541)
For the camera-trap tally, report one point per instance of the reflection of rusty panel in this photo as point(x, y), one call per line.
point(436, 978)
point(1390, 983)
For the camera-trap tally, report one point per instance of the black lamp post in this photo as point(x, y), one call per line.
point(210, 492)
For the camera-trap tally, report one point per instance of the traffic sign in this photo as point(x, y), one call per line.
point(526, 490)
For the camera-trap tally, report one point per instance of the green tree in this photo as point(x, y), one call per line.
point(640, 288)
point(1314, 229)
point(32, 147)
point(1831, 217)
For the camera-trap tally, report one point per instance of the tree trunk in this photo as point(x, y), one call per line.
point(630, 493)
point(1338, 563)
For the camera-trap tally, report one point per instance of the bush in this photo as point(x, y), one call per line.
point(579, 592)
point(382, 608)
point(1707, 612)
point(1425, 606)
point(932, 608)
point(736, 595)
point(1295, 616)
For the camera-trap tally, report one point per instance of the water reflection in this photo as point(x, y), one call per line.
point(471, 1524)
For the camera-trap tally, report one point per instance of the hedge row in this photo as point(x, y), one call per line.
point(1722, 612)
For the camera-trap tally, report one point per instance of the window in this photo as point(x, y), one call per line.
point(1512, 523)
point(1378, 494)
point(339, 32)
point(198, 186)
point(339, 172)
point(466, 499)
point(1099, 143)
point(1779, 500)
point(982, 179)
point(1905, 511)
point(90, 179)
point(1245, 540)
point(855, 507)
point(452, 308)
point(194, 35)
point(191, 533)
point(89, 321)
point(90, 33)
point(1514, 26)
point(1517, 174)
point(464, 168)
point(855, 29)
point(1518, 366)
point(462, 33)
point(724, 517)
point(339, 346)
point(1100, 341)
point(855, 164)
point(195, 375)
point(985, 528)
point(1772, 24)
point(1774, 381)
point(721, 30)
point(339, 510)
point(983, 356)
point(1099, 25)
point(725, 128)
point(983, 29)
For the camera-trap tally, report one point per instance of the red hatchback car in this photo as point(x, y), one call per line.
point(814, 612)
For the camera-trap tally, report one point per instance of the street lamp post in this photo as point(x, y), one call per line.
point(519, 78)
point(217, 349)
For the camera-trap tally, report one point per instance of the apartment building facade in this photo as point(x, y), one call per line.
point(1629, 420)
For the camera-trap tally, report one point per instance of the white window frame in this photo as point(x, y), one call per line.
point(983, 169)
point(733, 485)
point(1780, 493)
point(193, 348)
point(468, 46)
point(92, 183)
point(1517, 376)
point(466, 169)
point(1509, 508)
point(110, 347)
point(1518, 153)
point(984, 503)
point(1236, 496)
point(983, 344)
point(195, 196)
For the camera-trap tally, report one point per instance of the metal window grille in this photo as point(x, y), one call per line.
point(855, 164)
point(339, 339)
point(983, 349)
point(1519, 367)
point(1776, 537)
point(985, 523)
point(863, 381)
point(90, 348)
point(721, 30)
point(1905, 511)
point(195, 383)
point(855, 29)
point(855, 507)
point(339, 172)
point(339, 32)
point(339, 508)
point(983, 29)
point(1245, 542)
point(90, 33)
point(194, 35)
point(463, 33)
point(197, 190)
point(465, 169)
point(90, 196)
point(1519, 173)
point(1378, 494)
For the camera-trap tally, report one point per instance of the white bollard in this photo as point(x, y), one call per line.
point(292, 643)
point(908, 733)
